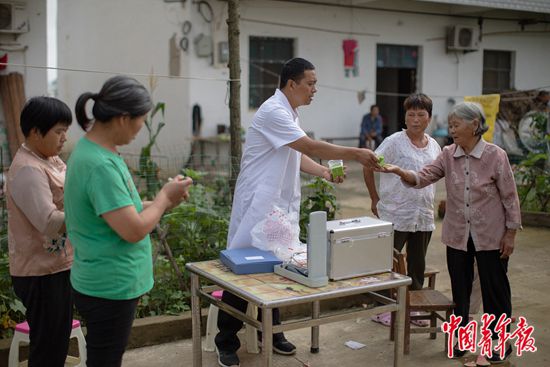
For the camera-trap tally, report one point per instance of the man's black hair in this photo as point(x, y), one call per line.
point(43, 113)
point(294, 69)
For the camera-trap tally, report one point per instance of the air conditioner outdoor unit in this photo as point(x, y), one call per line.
point(462, 38)
point(13, 17)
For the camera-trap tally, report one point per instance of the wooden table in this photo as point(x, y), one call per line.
point(269, 290)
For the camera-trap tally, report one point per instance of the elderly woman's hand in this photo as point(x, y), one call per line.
point(507, 243)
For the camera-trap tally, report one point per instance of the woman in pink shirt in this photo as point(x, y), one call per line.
point(40, 258)
point(482, 214)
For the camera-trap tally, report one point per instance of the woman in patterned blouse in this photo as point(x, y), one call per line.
point(482, 214)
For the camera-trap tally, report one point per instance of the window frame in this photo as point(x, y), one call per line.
point(258, 91)
point(499, 70)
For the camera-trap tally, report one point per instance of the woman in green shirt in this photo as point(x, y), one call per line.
point(107, 222)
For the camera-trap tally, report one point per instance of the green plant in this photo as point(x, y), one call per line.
point(533, 182)
point(533, 173)
point(318, 195)
point(12, 310)
point(538, 126)
point(165, 298)
point(148, 169)
point(196, 230)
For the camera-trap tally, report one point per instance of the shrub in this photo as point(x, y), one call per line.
point(12, 310)
point(317, 195)
point(533, 183)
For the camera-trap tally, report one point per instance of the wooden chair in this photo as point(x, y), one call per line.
point(428, 301)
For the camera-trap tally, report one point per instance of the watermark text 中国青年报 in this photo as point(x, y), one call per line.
point(467, 336)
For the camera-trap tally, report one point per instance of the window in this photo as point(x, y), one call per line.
point(267, 56)
point(497, 71)
point(396, 56)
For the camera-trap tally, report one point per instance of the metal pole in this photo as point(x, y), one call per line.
point(267, 336)
point(315, 313)
point(234, 91)
point(196, 320)
point(400, 326)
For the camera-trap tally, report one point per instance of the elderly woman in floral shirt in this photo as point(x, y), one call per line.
point(482, 214)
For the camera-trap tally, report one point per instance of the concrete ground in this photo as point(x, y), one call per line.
point(529, 275)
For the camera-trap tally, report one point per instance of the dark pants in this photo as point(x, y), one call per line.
point(417, 246)
point(363, 141)
point(108, 323)
point(49, 304)
point(495, 288)
point(227, 339)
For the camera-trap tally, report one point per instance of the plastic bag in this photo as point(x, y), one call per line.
point(278, 232)
point(505, 137)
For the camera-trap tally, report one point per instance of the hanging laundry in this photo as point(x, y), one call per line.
point(351, 52)
point(3, 61)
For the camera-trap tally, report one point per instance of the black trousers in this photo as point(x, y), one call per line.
point(227, 339)
point(49, 304)
point(108, 324)
point(495, 287)
point(417, 246)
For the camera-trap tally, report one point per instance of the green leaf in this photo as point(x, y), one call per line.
point(160, 106)
point(17, 306)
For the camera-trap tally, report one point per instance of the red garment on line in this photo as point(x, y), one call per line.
point(350, 47)
point(3, 59)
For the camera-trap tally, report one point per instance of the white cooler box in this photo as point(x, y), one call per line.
point(359, 246)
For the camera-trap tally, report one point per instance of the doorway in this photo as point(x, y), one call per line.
point(396, 78)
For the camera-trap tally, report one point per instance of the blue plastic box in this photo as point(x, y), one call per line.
point(249, 260)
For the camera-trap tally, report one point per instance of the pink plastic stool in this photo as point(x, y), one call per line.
point(25, 329)
point(212, 327)
point(217, 295)
point(21, 335)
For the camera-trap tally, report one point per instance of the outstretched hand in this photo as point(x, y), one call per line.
point(368, 159)
point(388, 168)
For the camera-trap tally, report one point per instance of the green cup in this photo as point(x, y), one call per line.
point(336, 168)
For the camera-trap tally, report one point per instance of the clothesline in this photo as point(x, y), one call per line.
point(227, 80)
point(92, 71)
point(391, 94)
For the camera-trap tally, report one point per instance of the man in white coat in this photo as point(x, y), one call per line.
point(275, 152)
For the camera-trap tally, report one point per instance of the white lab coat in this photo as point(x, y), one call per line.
point(270, 170)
